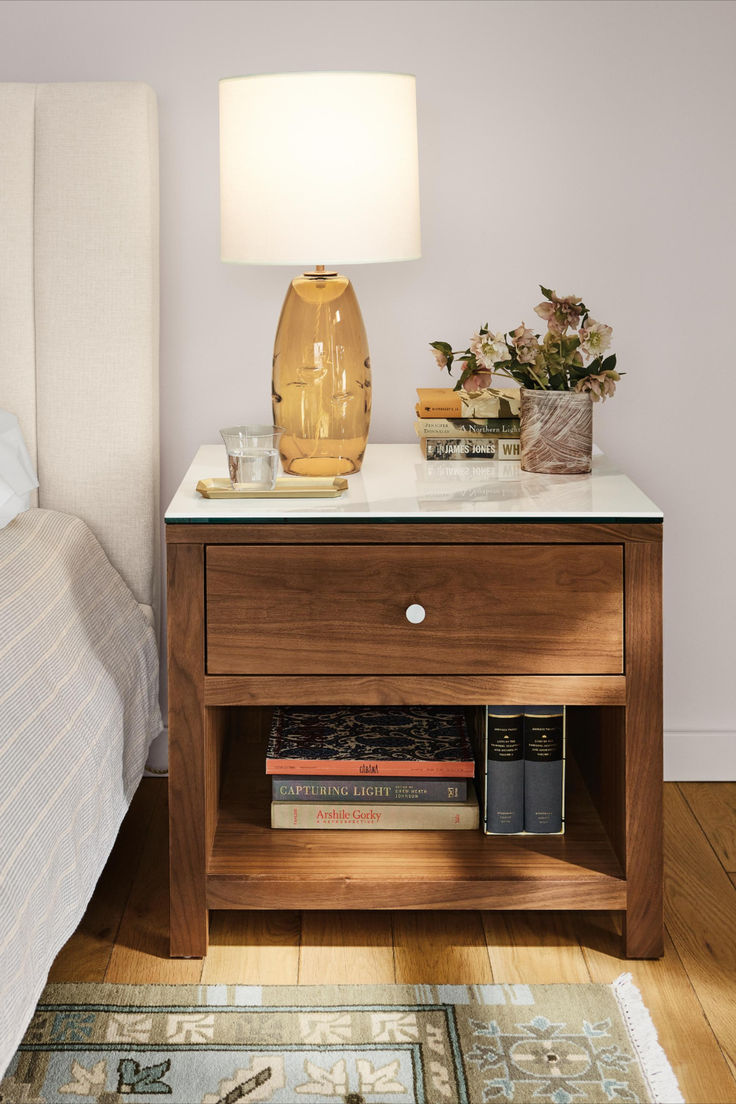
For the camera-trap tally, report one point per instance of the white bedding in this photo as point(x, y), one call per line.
point(78, 710)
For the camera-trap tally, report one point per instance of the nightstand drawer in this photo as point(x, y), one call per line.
point(327, 609)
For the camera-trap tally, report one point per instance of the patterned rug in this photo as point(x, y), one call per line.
point(388, 1044)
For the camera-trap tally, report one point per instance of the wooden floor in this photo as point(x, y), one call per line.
point(691, 992)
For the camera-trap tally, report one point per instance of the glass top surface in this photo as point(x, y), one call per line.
point(397, 484)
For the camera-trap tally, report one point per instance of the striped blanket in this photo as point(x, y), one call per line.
point(78, 710)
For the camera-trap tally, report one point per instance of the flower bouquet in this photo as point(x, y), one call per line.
point(559, 374)
point(570, 356)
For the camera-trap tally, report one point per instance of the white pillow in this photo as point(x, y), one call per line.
point(17, 477)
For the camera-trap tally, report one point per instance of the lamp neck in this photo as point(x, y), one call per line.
point(319, 273)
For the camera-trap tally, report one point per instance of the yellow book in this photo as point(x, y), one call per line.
point(491, 402)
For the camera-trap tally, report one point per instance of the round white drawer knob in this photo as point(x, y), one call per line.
point(415, 614)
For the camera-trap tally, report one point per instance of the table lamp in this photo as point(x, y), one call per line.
point(320, 167)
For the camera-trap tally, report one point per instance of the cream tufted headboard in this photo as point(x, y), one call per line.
point(79, 306)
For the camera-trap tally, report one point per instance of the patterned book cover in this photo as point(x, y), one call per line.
point(463, 816)
point(418, 741)
point(371, 790)
point(490, 402)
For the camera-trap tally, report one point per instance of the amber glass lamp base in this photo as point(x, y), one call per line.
point(321, 377)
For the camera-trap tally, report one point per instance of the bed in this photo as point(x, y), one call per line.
point(79, 570)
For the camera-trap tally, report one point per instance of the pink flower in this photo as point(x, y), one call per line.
point(561, 313)
point(602, 386)
point(525, 342)
point(595, 337)
point(440, 358)
point(477, 381)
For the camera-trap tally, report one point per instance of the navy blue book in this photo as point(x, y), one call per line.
point(505, 769)
point(544, 769)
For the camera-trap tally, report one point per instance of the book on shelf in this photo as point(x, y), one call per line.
point(412, 742)
point(440, 816)
point(470, 448)
point(544, 769)
point(467, 427)
point(504, 803)
point(370, 790)
point(491, 402)
point(521, 769)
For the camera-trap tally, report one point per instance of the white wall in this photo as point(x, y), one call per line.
point(588, 146)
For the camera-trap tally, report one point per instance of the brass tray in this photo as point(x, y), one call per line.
point(286, 487)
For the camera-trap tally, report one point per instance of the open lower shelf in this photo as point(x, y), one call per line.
point(255, 866)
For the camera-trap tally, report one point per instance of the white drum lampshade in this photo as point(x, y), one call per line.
point(315, 168)
point(319, 167)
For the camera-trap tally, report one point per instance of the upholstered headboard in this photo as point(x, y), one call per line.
point(79, 306)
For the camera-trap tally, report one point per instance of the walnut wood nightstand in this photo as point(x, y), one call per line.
point(537, 589)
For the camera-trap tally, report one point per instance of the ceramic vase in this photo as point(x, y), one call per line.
point(556, 432)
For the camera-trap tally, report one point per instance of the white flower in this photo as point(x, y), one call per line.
point(595, 337)
point(489, 349)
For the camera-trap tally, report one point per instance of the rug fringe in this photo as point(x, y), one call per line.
point(658, 1072)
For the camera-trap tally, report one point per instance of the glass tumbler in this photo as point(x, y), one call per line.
point(252, 456)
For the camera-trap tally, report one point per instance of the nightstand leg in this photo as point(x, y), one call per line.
point(643, 927)
point(187, 752)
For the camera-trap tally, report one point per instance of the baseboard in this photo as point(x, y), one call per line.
point(700, 756)
point(688, 757)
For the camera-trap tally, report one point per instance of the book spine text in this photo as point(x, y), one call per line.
point(471, 448)
point(543, 770)
point(379, 768)
point(505, 778)
point(405, 790)
point(305, 814)
point(468, 427)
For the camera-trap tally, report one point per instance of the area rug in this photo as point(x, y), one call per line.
point(387, 1044)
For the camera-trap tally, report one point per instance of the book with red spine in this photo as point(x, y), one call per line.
point(411, 742)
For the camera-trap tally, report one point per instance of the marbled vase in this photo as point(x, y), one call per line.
point(556, 432)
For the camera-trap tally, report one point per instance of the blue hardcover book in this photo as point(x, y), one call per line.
point(505, 770)
point(544, 769)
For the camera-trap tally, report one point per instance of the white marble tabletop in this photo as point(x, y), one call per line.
point(397, 484)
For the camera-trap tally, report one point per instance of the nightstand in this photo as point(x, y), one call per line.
point(536, 589)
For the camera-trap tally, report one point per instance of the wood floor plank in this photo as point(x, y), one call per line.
point(714, 805)
point(700, 905)
point(534, 948)
point(343, 948)
point(85, 956)
point(684, 1032)
point(253, 948)
point(141, 952)
point(440, 948)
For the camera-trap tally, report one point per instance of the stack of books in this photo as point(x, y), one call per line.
point(521, 759)
point(458, 425)
point(361, 768)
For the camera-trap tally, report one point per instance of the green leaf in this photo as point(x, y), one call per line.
point(609, 363)
point(441, 347)
point(546, 292)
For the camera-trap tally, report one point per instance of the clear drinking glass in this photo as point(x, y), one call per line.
point(252, 456)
